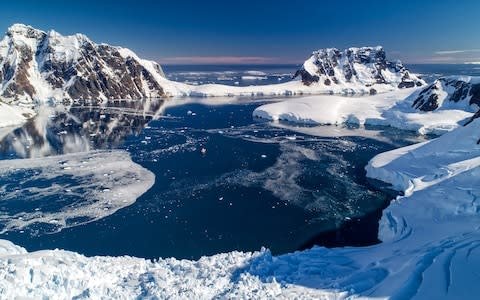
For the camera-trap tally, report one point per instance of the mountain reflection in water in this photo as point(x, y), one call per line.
point(79, 128)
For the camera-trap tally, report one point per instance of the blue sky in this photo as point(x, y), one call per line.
point(185, 31)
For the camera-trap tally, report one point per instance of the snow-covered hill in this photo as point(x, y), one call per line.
point(437, 108)
point(454, 92)
point(365, 68)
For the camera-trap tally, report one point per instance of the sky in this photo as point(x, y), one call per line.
point(263, 31)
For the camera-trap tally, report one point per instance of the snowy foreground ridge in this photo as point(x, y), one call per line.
point(430, 248)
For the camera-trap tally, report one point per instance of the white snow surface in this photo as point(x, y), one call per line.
point(430, 248)
point(13, 115)
point(387, 109)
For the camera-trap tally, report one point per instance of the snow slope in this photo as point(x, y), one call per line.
point(390, 109)
point(430, 248)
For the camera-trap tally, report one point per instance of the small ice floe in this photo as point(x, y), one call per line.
point(191, 113)
point(220, 198)
point(263, 156)
point(203, 151)
point(102, 117)
point(148, 137)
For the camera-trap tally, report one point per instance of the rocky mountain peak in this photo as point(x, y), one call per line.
point(40, 66)
point(353, 67)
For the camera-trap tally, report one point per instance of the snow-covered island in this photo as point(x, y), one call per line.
point(430, 235)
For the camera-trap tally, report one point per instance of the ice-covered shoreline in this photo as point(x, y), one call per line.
point(430, 248)
point(388, 109)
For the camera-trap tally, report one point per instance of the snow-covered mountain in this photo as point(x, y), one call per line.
point(365, 67)
point(454, 92)
point(38, 65)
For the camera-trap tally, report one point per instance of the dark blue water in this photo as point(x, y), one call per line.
point(281, 186)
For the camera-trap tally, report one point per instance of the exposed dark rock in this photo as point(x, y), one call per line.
point(307, 79)
point(406, 84)
point(474, 117)
point(475, 93)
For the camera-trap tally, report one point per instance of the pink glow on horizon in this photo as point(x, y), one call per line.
point(224, 60)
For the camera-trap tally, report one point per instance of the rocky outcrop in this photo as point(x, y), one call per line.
point(365, 67)
point(450, 92)
point(42, 66)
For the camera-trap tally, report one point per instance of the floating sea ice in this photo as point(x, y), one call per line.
point(79, 193)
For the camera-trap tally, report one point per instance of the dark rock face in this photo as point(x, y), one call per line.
point(307, 79)
point(455, 89)
point(72, 68)
point(335, 66)
point(474, 117)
